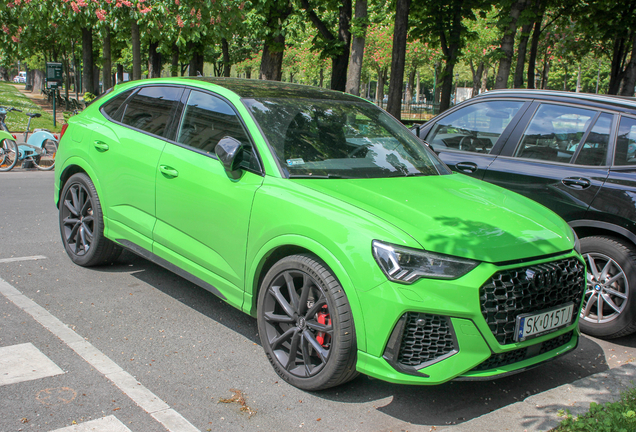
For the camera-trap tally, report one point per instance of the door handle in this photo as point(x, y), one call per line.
point(466, 167)
point(101, 146)
point(168, 171)
point(576, 182)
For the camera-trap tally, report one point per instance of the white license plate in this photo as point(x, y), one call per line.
point(537, 324)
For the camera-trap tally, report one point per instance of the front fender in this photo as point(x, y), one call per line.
point(251, 290)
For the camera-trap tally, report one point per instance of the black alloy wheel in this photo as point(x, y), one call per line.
point(82, 226)
point(305, 324)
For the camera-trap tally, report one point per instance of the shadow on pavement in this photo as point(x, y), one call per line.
point(446, 404)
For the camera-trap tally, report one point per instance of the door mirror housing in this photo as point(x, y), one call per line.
point(230, 152)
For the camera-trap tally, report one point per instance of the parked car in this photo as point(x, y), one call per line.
point(574, 153)
point(20, 78)
point(315, 211)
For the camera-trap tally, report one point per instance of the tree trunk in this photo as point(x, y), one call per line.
point(379, 94)
point(248, 73)
point(477, 74)
point(521, 55)
point(227, 66)
point(409, 88)
point(484, 80)
point(174, 64)
point(618, 59)
point(508, 44)
point(120, 73)
point(417, 89)
point(321, 78)
point(578, 80)
point(106, 60)
point(357, 48)
point(394, 104)
point(546, 73)
point(87, 59)
point(272, 60)
point(629, 78)
point(136, 51)
point(534, 46)
point(154, 60)
point(196, 59)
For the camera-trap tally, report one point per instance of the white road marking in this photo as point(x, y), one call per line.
point(25, 362)
point(15, 259)
point(104, 424)
point(148, 401)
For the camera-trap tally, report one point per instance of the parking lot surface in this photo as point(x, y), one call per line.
point(133, 347)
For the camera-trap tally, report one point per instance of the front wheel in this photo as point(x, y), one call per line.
point(305, 324)
point(8, 155)
point(45, 160)
point(82, 224)
point(609, 306)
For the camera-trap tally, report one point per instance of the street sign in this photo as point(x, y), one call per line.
point(54, 71)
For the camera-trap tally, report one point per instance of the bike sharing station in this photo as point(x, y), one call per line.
point(53, 80)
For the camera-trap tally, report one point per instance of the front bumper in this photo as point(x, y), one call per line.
point(434, 331)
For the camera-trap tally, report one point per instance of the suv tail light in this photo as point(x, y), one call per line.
point(64, 126)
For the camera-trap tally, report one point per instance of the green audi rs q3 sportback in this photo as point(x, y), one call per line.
point(319, 214)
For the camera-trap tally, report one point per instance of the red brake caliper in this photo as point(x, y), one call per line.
point(324, 319)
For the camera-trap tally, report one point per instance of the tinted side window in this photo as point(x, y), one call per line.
point(152, 108)
point(206, 120)
point(475, 128)
point(626, 142)
point(594, 149)
point(554, 133)
point(110, 108)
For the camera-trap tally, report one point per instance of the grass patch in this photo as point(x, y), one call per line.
point(17, 122)
point(609, 417)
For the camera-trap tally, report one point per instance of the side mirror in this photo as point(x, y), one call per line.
point(229, 151)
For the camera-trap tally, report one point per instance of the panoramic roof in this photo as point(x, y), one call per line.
point(255, 89)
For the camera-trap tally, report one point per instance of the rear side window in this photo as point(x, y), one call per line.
point(111, 108)
point(594, 149)
point(554, 133)
point(474, 128)
point(152, 109)
point(626, 142)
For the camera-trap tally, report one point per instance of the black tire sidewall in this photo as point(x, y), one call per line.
point(338, 309)
point(619, 252)
point(89, 258)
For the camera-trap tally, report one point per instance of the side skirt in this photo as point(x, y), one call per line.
point(169, 266)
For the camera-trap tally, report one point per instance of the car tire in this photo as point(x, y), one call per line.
point(299, 296)
point(611, 282)
point(82, 224)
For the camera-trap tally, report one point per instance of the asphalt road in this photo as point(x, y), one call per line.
point(192, 350)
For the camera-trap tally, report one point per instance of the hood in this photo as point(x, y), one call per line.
point(456, 215)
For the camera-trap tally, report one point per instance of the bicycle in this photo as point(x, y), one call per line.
point(40, 148)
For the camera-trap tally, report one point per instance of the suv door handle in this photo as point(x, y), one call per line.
point(466, 167)
point(577, 182)
point(168, 171)
point(101, 146)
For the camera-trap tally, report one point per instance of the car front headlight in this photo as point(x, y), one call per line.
point(406, 265)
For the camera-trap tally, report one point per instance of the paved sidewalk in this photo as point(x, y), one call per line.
point(40, 99)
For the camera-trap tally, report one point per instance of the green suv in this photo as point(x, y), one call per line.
point(353, 245)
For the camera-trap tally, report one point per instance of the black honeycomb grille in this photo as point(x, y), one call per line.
point(425, 338)
point(509, 293)
point(515, 356)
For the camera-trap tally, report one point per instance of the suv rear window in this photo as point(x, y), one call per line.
point(626, 142)
point(110, 108)
point(152, 109)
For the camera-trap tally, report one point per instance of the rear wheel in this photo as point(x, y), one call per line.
point(8, 154)
point(45, 161)
point(82, 224)
point(305, 324)
point(609, 307)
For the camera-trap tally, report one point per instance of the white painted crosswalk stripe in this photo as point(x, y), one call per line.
point(148, 401)
point(104, 424)
point(25, 362)
point(27, 258)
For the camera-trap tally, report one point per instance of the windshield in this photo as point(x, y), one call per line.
point(340, 139)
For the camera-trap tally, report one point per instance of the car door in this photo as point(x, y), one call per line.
point(558, 158)
point(468, 138)
point(203, 214)
point(125, 151)
point(616, 202)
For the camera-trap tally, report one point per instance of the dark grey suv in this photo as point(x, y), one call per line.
point(574, 153)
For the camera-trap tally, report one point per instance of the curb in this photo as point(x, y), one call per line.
point(539, 412)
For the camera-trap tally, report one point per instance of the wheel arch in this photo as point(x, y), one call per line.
point(588, 228)
point(73, 166)
point(287, 245)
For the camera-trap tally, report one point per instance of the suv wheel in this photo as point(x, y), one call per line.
point(609, 304)
point(305, 324)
